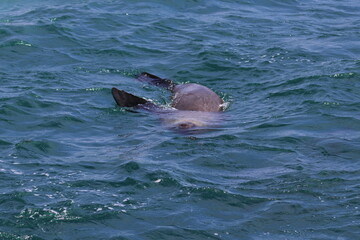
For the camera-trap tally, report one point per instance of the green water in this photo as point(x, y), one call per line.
point(283, 163)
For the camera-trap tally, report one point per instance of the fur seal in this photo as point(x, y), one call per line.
point(194, 105)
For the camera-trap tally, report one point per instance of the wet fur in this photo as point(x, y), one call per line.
point(196, 104)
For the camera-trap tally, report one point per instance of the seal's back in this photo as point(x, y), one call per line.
point(195, 97)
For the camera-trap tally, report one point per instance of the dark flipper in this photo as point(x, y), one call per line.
point(152, 79)
point(124, 99)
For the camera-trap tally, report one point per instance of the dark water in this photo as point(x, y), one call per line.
point(284, 164)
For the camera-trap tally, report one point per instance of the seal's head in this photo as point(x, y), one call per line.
point(185, 125)
point(186, 121)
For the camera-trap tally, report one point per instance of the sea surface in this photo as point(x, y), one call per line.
point(284, 162)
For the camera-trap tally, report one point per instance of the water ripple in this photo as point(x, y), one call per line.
point(282, 165)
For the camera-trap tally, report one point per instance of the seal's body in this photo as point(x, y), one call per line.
point(195, 97)
point(194, 105)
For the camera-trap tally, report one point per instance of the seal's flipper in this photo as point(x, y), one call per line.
point(124, 99)
point(152, 79)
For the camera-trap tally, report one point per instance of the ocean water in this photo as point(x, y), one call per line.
point(283, 164)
